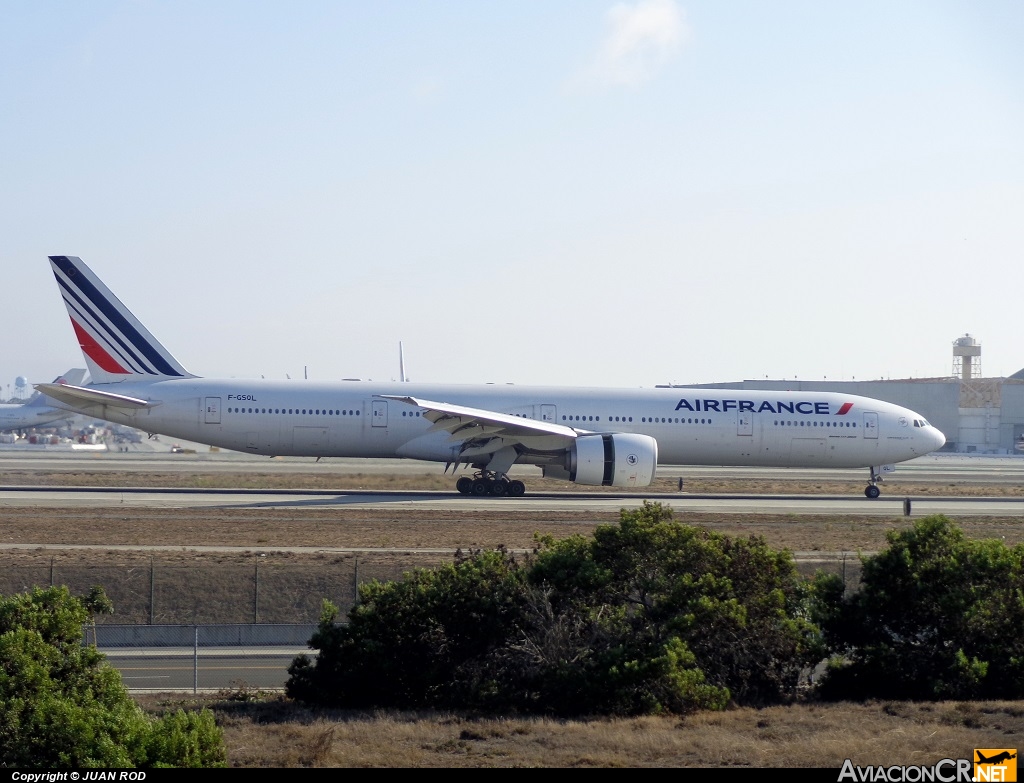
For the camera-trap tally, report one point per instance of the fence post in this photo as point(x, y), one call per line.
point(195, 663)
point(51, 570)
point(355, 583)
point(256, 592)
point(152, 589)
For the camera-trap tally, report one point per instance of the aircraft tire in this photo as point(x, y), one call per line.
point(480, 487)
point(499, 487)
point(516, 488)
point(872, 492)
point(464, 485)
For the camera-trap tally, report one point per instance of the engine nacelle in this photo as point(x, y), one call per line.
point(621, 459)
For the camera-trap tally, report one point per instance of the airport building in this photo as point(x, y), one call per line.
point(977, 415)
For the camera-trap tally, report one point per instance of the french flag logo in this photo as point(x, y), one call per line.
point(844, 409)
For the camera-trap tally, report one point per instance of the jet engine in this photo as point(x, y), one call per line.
point(619, 459)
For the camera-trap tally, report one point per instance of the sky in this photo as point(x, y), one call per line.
point(563, 192)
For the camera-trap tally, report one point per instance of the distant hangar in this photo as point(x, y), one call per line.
point(977, 415)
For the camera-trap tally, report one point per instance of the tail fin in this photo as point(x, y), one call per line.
point(116, 346)
point(73, 377)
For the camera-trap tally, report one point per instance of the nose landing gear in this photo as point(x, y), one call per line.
point(489, 483)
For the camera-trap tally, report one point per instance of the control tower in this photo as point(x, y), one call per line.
point(966, 358)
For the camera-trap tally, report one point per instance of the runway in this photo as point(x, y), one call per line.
point(155, 456)
point(888, 506)
point(150, 456)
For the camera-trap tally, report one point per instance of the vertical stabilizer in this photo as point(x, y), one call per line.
point(72, 377)
point(116, 346)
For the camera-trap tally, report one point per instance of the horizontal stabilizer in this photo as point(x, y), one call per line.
point(81, 396)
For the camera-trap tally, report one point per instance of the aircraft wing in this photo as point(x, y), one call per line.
point(474, 423)
point(82, 396)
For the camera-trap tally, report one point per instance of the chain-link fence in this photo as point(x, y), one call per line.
point(260, 591)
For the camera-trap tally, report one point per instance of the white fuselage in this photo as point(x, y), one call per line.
point(24, 417)
point(691, 426)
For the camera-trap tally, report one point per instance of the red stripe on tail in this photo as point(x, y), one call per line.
point(94, 351)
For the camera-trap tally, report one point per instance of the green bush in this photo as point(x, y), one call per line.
point(186, 739)
point(738, 606)
point(937, 617)
point(412, 642)
point(62, 706)
point(647, 616)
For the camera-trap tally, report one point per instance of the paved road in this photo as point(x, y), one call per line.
point(58, 497)
point(211, 668)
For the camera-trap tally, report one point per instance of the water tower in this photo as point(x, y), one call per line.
point(966, 358)
point(20, 385)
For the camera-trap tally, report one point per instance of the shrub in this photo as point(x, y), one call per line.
point(412, 642)
point(738, 606)
point(647, 616)
point(937, 617)
point(62, 706)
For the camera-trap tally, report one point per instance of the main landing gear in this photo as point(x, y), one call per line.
point(872, 491)
point(489, 483)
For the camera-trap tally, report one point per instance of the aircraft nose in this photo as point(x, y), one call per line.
point(937, 438)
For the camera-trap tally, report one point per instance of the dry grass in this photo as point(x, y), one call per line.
point(275, 732)
point(331, 527)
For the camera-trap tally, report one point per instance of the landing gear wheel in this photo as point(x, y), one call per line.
point(490, 483)
point(872, 491)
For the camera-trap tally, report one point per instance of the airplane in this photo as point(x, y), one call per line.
point(590, 436)
point(40, 410)
point(996, 759)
